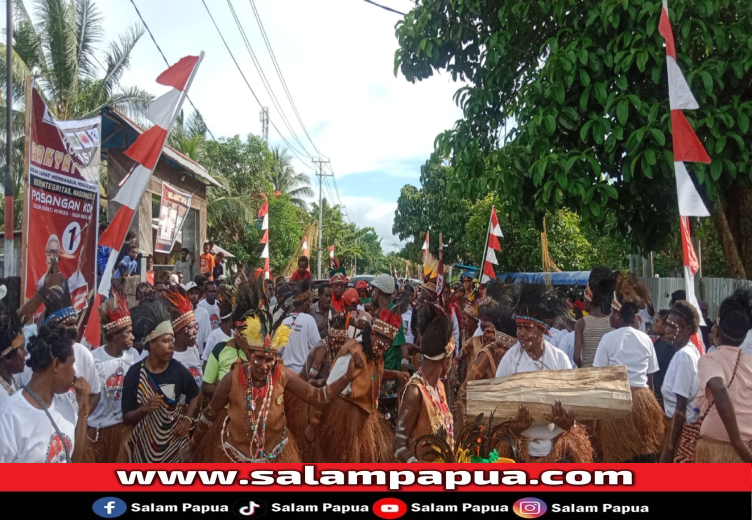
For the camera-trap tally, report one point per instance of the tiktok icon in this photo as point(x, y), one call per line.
point(249, 508)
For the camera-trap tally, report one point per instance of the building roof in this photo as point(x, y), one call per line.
point(119, 131)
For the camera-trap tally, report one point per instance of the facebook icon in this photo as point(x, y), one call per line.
point(109, 507)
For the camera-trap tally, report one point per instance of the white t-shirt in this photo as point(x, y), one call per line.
point(682, 378)
point(556, 336)
point(203, 327)
point(111, 372)
point(645, 318)
point(304, 336)
point(4, 395)
point(213, 311)
point(566, 345)
point(746, 345)
point(191, 360)
point(455, 333)
point(407, 316)
point(631, 348)
point(515, 361)
point(27, 435)
point(84, 366)
point(215, 337)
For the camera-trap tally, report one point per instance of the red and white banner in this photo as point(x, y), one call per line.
point(173, 209)
point(426, 244)
point(62, 200)
point(145, 153)
point(264, 215)
point(492, 245)
point(687, 148)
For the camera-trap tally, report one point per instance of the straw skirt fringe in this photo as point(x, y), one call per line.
point(204, 452)
point(299, 414)
point(714, 451)
point(349, 434)
point(639, 433)
point(108, 448)
point(572, 446)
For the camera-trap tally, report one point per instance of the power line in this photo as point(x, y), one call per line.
point(384, 7)
point(169, 65)
point(264, 80)
point(281, 77)
point(248, 84)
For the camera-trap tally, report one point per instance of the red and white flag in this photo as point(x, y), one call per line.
point(145, 152)
point(687, 148)
point(425, 245)
point(306, 252)
point(492, 245)
point(264, 215)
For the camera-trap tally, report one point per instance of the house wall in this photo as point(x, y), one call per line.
point(194, 229)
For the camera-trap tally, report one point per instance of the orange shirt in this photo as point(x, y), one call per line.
point(207, 265)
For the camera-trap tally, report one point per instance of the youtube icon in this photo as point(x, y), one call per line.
point(389, 508)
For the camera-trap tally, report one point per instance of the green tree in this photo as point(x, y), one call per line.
point(566, 105)
point(285, 180)
point(431, 208)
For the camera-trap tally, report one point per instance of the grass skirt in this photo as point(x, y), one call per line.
point(572, 446)
point(204, 452)
point(715, 451)
point(109, 444)
point(349, 434)
point(299, 414)
point(640, 433)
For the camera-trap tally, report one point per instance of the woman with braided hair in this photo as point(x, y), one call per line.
point(12, 353)
point(106, 430)
point(638, 436)
point(424, 409)
point(40, 423)
point(152, 392)
point(184, 328)
point(590, 329)
point(725, 394)
point(680, 384)
point(255, 429)
point(560, 438)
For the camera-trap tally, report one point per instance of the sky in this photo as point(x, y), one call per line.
point(337, 58)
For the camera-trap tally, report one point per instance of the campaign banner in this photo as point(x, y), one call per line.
point(387, 491)
point(172, 212)
point(61, 186)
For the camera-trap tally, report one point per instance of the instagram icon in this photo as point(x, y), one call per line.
point(530, 508)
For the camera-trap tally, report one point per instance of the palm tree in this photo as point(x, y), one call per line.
point(60, 52)
point(189, 136)
point(285, 180)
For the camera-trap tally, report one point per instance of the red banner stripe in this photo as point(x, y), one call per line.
point(118, 228)
point(177, 75)
point(493, 242)
point(92, 333)
point(664, 27)
point(687, 147)
point(148, 147)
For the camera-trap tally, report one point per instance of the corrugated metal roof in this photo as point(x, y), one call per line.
point(168, 153)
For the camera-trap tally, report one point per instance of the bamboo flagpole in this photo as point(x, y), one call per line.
point(485, 247)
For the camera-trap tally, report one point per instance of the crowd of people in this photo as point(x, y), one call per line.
point(210, 370)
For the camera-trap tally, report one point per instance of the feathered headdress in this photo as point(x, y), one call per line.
point(114, 313)
point(226, 293)
point(430, 273)
point(629, 290)
point(58, 304)
point(535, 303)
point(180, 308)
point(338, 275)
point(436, 341)
point(388, 322)
point(151, 321)
point(496, 307)
point(261, 337)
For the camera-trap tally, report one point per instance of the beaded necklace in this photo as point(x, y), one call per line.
point(439, 404)
point(259, 434)
point(11, 388)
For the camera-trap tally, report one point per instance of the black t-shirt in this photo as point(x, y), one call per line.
point(664, 351)
point(176, 376)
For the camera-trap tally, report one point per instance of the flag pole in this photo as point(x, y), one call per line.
point(485, 248)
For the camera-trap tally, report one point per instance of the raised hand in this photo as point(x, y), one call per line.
point(560, 417)
point(522, 421)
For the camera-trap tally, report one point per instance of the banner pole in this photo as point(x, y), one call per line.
point(26, 194)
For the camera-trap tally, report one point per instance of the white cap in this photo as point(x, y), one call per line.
point(188, 286)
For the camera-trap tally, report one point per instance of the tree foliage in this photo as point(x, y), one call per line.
point(566, 105)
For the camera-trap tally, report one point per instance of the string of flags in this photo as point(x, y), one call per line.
point(492, 245)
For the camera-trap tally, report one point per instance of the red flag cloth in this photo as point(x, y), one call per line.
point(687, 147)
point(690, 258)
point(115, 233)
point(265, 238)
point(493, 243)
point(177, 75)
point(264, 209)
point(92, 332)
point(148, 147)
point(664, 27)
point(488, 270)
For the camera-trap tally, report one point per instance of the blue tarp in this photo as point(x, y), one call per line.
point(565, 278)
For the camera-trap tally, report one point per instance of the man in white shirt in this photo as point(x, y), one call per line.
point(210, 304)
point(203, 322)
point(305, 333)
point(224, 332)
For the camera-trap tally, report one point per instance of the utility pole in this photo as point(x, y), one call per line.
point(264, 118)
point(320, 164)
point(9, 262)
